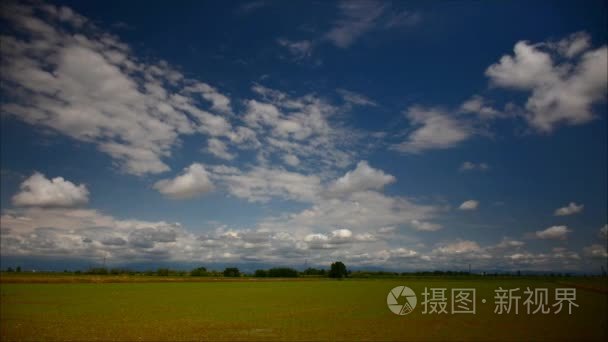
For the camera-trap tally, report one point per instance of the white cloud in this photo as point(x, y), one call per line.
point(39, 191)
point(571, 209)
point(478, 105)
point(262, 184)
point(596, 251)
point(425, 226)
point(363, 177)
point(507, 243)
point(219, 102)
point(87, 234)
point(470, 166)
point(291, 159)
point(336, 238)
point(219, 149)
point(573, 44)
point(193, 182)
point(604, 231)
point(91, 87)
point(469, 205)
point(300, 50)
point(458, 247)
point(360, 212)
point(356, 18)
point(435, 129)
point(563, 88)
point(357, 99)
point(299, 126)
point(554, 233)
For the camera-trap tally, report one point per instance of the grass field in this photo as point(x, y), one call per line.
point(279, 310)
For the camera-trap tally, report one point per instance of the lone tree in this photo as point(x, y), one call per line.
point(337, 270)
point(232, 272)
point(199, 272)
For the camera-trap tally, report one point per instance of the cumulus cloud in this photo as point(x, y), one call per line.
point(63, 72)
point(361, 212)
point(362, 178)
point(336, 238)
point(469, 205)
point(299, 126)
point(458, 247)
point(553, 233)
point(39, 191)
point(564, 79)
point(86, 234)
point(470, 166)
point(92, 87)
point(194, 181)
point(261, 184)
point(89, 234)
point(571, 209)
point(433, 128)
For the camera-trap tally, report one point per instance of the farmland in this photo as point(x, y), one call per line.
point(132, 308)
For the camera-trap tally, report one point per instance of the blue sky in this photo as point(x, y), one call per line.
point(400, 135)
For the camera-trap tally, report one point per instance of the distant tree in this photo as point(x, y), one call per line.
point(199, 272)
point(10, 269)
point(260, 273)
point(313, 271)
point(232, 272)
point(337, 270)
point(97, 270)
point(162, 272)
point(18, 269)
point(282, 272)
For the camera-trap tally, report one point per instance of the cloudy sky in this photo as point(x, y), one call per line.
point(403, 135)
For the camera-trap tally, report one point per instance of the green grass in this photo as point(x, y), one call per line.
point(281, 310)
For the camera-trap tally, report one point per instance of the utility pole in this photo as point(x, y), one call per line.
point(469, 268)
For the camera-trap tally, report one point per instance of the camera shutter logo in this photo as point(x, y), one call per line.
point(401, 300)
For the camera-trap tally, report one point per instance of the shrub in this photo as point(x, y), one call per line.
point(232, 272)
point(199, 272)
point(260, 273)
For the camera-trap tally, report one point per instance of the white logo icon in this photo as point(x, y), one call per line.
point(399, 305)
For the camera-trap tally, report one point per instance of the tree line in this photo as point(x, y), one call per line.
point(336, 270)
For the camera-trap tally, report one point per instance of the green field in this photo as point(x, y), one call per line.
point(281, 310)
